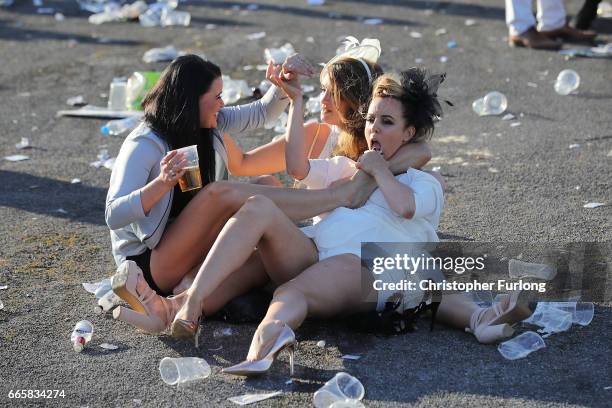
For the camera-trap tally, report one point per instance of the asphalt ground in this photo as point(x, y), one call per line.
point(505, 184)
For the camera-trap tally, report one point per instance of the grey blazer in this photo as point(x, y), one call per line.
point(137, 164)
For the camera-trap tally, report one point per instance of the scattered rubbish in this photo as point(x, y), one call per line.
point(418, 60)
point(608, 388)
point(180, 370)
point(316, 2)
point(341, 387)
point(289, 381)
point(1, 305)
point(492, 170)
point(252, 7)
point(225, 332)
point(256, 36)
point(61, 211)
point(108, 346)
point(171, 17)
point(416, 34)
point(107, 302)
point(593, 205)
point(45, 10)
point(451, 44)
point(604, 10)
point(441, 31)
point(16, 158)
point(574, 146)
point(436, 168)
point(119, 126)
point(521, 346)
point(59, 17)
point(470, 22)
point(280, 124)
point(247, 67)
point(373, 21)
point(582, 312)
point(138, 84)
point(137, 401)
point(519, 269)
point(234, 90)
point(278, 55)
point(567, 81)
point(443, 59)
point(93, 6)
point(308, 88)
point(164, 14)
point(347, 403)
point(75, 181)
point(515, 124)
point(117, 94)
point(23, 144)
point(321, 343)
point(3, 287)
point(351, 357)
point(532, 84)
point(313, 105)
point(508, 116)
point(81, 335)
point(76, 101)
point(6, 3)
point(494, 103)
point(216, 349)
point(160, 54)
point(253, 398)
point(550, 319)
point(98, 288)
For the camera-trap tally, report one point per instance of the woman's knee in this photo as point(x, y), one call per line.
point(258, 207)
point(292, 294)
point(220, 193)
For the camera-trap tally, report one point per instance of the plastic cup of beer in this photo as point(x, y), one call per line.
point(191, 180)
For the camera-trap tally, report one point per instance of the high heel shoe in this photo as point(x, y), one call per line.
point(187, 330)
point(286, 340)
point(150, 312)
point(508, 311)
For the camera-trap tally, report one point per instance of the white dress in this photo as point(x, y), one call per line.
point(342, 230)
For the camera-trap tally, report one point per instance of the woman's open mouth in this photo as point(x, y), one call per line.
point(376, 146)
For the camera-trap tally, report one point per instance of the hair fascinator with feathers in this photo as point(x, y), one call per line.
point(423, 88)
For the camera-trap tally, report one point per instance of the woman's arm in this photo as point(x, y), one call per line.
point(266, 159)
point(399, 196)
point(237, 119)
point(415, 155)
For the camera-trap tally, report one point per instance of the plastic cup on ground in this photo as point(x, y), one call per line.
point(521, 346)
point(582, 313)
point(520, 269)
point(191, 180)
point(340, 388)
point(180, 370)
point(568, 81)
point(117, 95)
point(347, 403)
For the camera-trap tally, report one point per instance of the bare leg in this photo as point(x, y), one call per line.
point(266, 180)
point(258, 223)
point(328, 288)
point(456, 310)
point(195, 230)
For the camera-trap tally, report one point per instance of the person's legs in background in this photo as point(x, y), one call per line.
point(521, 27)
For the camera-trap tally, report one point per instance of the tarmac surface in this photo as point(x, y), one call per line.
point(505, 184)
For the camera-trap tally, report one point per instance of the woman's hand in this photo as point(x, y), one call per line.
point(172, 168)
point(291, 87)
point(372, 162)
point(297, 64)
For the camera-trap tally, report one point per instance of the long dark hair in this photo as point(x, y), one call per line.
point(171, 108)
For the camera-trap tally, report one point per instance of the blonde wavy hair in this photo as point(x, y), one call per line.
point(350, 91)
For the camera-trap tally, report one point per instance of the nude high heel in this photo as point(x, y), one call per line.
point(150, 312)
point(285, 341)
point(186, 330)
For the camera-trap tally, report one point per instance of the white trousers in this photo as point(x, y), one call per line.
point(519, 15)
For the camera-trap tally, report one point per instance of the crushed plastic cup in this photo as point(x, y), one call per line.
point(550, 318)
point(247, 399)
point(180, 370)
point(582, 312)
point(167, 53)
point(567, 81)
point(171, 17)
point(94, 6)
point(278, 55)
point(117, 94)
point(520, 269)
point(521, 346)
point(234, 90)
point(493, 103)
point(341, 387)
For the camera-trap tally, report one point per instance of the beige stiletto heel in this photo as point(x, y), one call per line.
point(286, 340)
point(187, 330)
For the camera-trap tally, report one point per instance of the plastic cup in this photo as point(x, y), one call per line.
point(521, 346)
point(117, 95)
point(192, 179)
point(180, 370)
point(347, 403)
point(340, 388)
point(582, 313)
